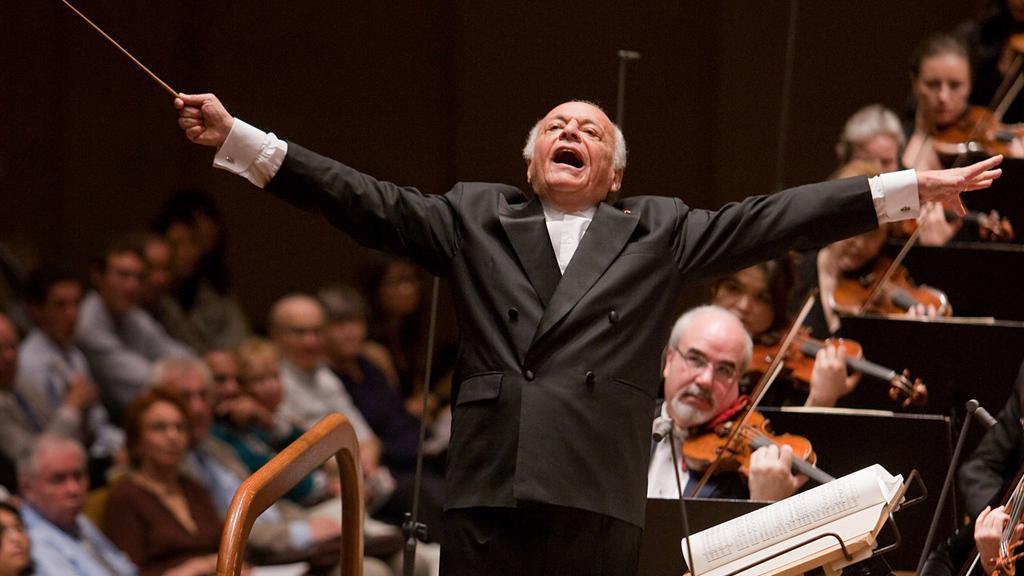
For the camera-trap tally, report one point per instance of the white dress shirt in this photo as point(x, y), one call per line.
point(661, 478)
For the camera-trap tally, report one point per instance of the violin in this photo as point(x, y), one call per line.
point(979, 131)
point(705, 446)
point(898, 295)
point(799, 364)
point(1009, 553)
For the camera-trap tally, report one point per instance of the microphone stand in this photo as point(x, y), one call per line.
point(974, 410)
point(682, 502)
point(412, 528)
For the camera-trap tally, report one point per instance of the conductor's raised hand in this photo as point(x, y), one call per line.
point(945, 186)
point(203, 118)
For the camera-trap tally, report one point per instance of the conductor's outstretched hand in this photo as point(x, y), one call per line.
point(945, 186)
point(203, 118)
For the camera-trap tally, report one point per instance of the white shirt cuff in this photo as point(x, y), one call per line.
point(251, 153)
point(895, 196)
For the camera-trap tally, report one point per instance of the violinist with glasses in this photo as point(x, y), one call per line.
point(707, 352)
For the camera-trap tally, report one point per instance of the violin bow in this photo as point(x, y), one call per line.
point(770, 374)
point(162, 84)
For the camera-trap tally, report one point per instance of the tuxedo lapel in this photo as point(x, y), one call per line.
point(528, 233)
point(605, 238)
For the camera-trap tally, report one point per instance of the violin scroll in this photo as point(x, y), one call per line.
point(912, 393)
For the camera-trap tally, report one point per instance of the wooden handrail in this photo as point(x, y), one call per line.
point(332, 436)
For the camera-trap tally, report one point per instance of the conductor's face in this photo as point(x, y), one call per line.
point(572, 157)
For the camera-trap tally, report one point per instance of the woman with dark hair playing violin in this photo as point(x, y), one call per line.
point(940, 80)
point(759, 296)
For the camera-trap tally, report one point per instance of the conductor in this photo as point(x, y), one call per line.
point(562, 296)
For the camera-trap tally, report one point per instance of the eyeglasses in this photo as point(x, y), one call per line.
point(697, 362)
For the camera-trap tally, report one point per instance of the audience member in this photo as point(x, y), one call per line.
point(15, 430)
point(15, 559)
point(120, 340)
point(394, 288)
point(163, 519)
point(248, 427)
point(54, 383)
point(383, 407)
point(381, 404)
point(283, 528)
point(311, 390)
point(707, 352)
point(54, 483)
point(200, 309)
point(156, 282)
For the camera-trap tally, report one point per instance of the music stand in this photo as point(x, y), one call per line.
point(659, 547)
point(893, 440)
point(986, 280)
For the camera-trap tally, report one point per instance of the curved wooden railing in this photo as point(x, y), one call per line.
point(332, 436)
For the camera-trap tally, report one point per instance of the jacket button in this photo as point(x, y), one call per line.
point(613, 317)
point(590, 378)
point(513, 314)
point(529, 375)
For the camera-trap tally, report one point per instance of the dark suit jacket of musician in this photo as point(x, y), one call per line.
point(557, 375)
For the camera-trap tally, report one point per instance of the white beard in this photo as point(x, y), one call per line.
point(685, 415)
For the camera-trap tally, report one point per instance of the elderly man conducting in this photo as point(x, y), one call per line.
point(706, 355)
point(557, 294)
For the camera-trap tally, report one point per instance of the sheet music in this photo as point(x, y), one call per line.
point(792, 517)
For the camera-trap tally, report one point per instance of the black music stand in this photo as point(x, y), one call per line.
point(1004, 195)
point(956, 358)
point(981, 279)
point(660, 551)
point(848, 440)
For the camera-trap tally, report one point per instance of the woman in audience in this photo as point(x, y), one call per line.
point(258, 432)
point(161, 518)
point(15, 557)
point(395, 291)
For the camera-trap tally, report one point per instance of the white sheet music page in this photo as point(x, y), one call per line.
point(850, 506)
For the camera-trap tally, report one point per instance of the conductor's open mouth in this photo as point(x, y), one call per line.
point(569, 157)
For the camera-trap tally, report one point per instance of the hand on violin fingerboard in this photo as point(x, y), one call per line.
point(829, 379)
point(945, 186)
point(988, 534)
point(771, 476)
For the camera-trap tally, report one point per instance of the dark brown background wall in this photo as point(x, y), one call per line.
point(417, 92)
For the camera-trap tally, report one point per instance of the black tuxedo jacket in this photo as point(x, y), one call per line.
point(557, 375)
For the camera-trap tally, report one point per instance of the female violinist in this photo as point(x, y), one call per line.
point(940, 79)
point(759, 296)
